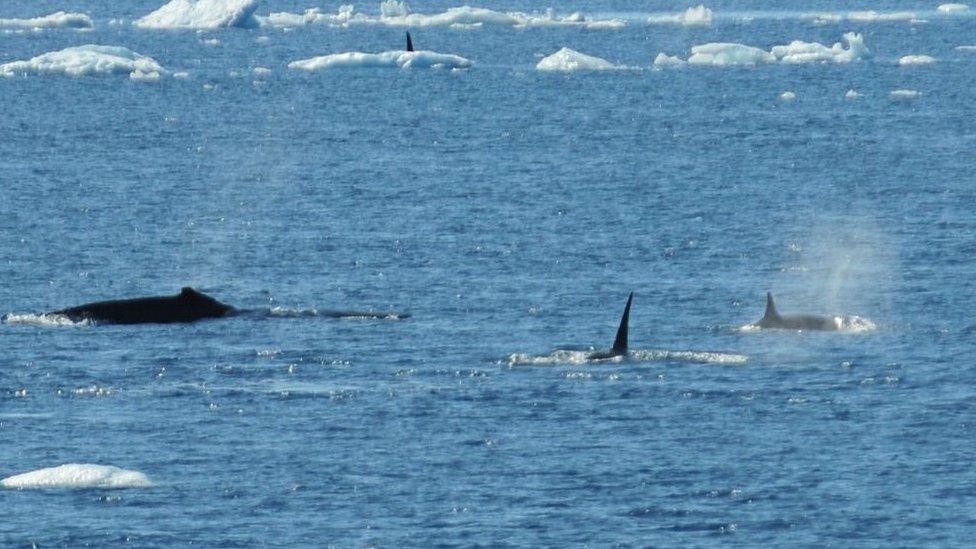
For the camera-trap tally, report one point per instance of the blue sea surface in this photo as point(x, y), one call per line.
point(510, 212)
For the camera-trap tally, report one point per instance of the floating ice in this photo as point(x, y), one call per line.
point(567, 60)
point(696, 16)
point(965, 48)
point(202, 14)
point(663, 61)
point(905, 94)
point(812, 52)
point(401, 59)
point(949, 9)
point(722, 54)
point(909, 60)
point(787, 96)
point(87, 60)
point(55, 20)
point(872, 16)
point(78, 475)
point(852, 94)
point(397, 14)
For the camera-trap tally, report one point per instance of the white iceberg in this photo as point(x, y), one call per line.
point(852, 94)
point(665, 61)
point(724, 54)
point(567, 60)
point(78, 475)
point(797, 52)
point(55, 20)
point(401, 59)
point(909, 60)
point(905, 94)
point(88, 60)
point(949, 9)
point(967, 49)
point(696, 16)
point(787, 96)
point(202, 14)
point(397, 14)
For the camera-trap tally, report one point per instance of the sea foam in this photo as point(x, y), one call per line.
point(78, 475)
point(567, 60)
point(88, 60)
point(400, 59)
point(202, 14)
point(55, 20)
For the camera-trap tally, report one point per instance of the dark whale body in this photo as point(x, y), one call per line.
point(772, 319)
point(620, 342)
point(187, 306)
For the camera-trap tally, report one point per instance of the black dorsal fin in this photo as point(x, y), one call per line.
point(620, 344)
point(409, 42)
point(770, 308)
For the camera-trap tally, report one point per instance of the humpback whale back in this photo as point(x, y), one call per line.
point(409, 42)
point(620, 343)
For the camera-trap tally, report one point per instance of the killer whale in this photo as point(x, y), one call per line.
point(772, 319)
point(620, 342)
point(189, 305)
point(409, 42)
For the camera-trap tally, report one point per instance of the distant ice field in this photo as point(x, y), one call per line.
point(502, 192)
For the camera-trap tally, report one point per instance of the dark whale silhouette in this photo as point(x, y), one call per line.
point(187, 306)
point(620, 342)
point(409, 42)
point(772, 319)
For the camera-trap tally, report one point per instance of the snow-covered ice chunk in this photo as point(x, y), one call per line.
point(78, 475)
point(696, 16)
point(812, 52)
point(905, 94)
point(723, 54)
point(567, 60)
point(55, 20)
point(665, 61)
point(852, 94)
point(401, 59)
point(949, 9)
point(787, 96)
point(909, 60)
point(202, 14)
point(87, 60)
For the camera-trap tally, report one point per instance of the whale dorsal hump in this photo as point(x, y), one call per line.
point(620, 343)
point(188, 292)
point(409, 42)
point(770, 308)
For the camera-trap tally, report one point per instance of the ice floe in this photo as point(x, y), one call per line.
point(696, 16)
point(202, 14)
point(53, 21)
point(909, 60)
point(401, 59)
point(965, 48)
point(89, 59)
point(852, 95)
point(567, 60)
point(949, 9)
point(725, 54)
point(905, 95)
point(787, 96)
point(398, 14)
point(78, 475)
point(664, 61)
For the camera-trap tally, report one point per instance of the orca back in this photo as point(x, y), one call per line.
point(620, 343)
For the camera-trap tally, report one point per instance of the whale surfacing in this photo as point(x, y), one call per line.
point(620, 342)
point(187, 306)
point(772, 319)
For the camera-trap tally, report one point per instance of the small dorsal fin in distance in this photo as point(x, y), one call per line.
point(409, 42)
point(770, 307)
point(620, 343)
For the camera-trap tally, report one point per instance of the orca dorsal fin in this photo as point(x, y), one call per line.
point(409, 42)
point(620, 343)
point(770, 308)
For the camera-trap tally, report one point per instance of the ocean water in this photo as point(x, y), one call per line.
point(509, 211)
